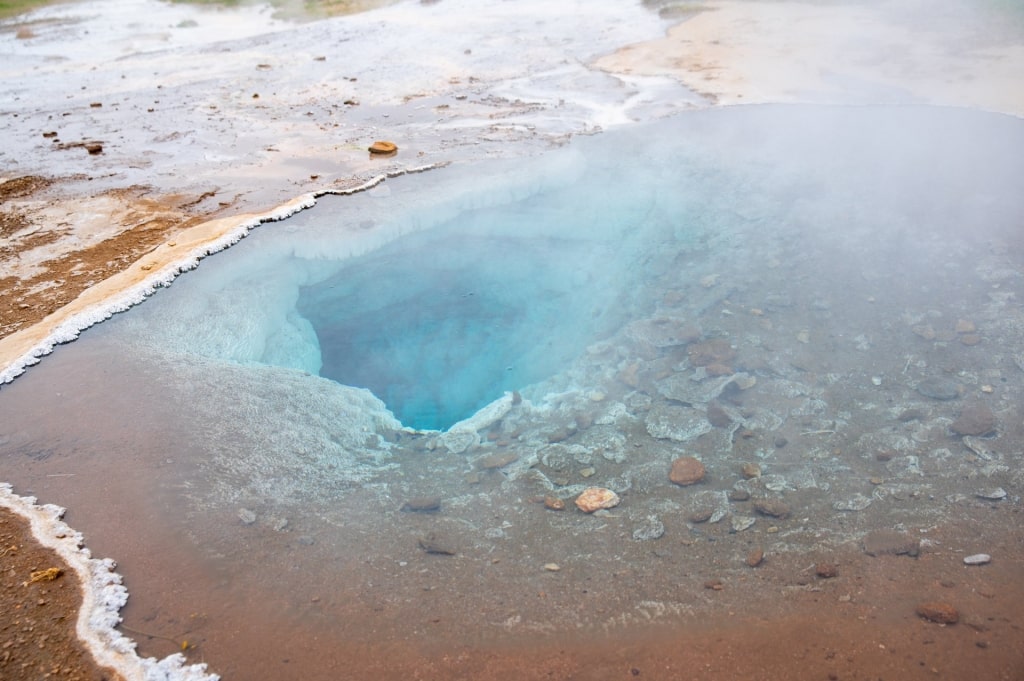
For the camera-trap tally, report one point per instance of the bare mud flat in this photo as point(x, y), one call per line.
point(823, 307)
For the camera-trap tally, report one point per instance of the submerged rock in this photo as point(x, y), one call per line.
point(595, 498)
point(939, 388)
point(686, 470)
point(891, 542)
point(422, 504)
point(939, 612)
point(974, 419)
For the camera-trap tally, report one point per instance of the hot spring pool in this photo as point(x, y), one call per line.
point(773, 290)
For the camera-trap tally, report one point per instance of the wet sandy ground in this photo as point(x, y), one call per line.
point(860, 624)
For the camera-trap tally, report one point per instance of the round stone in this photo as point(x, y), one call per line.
point(595, 498)
point(686, 470)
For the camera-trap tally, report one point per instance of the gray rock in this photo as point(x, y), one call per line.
point(652, 528)
point(939, 388)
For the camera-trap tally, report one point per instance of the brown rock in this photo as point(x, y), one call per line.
point(750, 470)
point(383, 147)
point(714, 351)
point(755, 557)
point(595, 498)
point(890, 542)
point(965, 326)
point(630, 375)
point(826, 570)
point(702, 515)
point(970, 339)
point(975, 419)
point(938, 612)
point(422, 504)
point(774, 508)
point(554, 504)
point(686, 470)
point(716, 369)
point(714, 584)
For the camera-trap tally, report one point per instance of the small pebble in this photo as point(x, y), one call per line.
point(938, 612)
point(755, 557)
point(826, 570)
point(552, 567)
point(978, 559)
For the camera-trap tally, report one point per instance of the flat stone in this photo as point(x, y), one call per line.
point(437, 544)
point(422, 504)
point(939, 612)
point(775, 508)
point(974, 419)
point(939, 388)
point(891, 542)
point(686, 470)
point(651, 529)
point(994, 494)
point(978, 559)
point(495, 461)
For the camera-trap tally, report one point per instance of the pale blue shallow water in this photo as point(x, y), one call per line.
point(221, 441)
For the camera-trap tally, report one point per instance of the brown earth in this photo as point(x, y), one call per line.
point(37, 619)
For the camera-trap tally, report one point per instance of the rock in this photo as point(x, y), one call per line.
point(965, 326)
point(741, 522)
point(912, 414)
point(433, 543)
point(495, 461)
point(552, 567)
point(717, 416)
point(750, 470)
point(994, 494)
point(595, 498)
point(246, 516)
point(974, 419)
point(686, 470)
point(939, 389)
point(780, 442)
point(970, 339)
point(890, 542)
point(554, 504)
point(775, 508)
point(939, 612)
point(858, 502)
point(924, 331)
point(739, 495)
point(755, 557)
point(422, 504)
point(653, 528)
point(675, 422)
point(826, 570)
point(978, 559)
point(714, 351)
point(702, 515)
point(383, 148)
point(714, 584)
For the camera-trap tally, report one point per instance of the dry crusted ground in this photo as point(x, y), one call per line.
point(141, 220)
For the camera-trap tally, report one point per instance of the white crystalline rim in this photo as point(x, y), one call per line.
point(70, 329)
point(103, 596)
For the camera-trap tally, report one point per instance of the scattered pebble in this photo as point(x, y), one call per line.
point(686, 470)
point(741, 522)
point(750, 470)
point(714, 584)
point(422, 504)
point(436, 544)
point(994, 494)
point(554, 503)
point(246, 516)
point(974, 419)
point(890, 542)
point(552, 567)
point(939, 612)
point(939, 388)
point(826, 570)
point(755, 557)
point(775, 508)
point(383, 147)
point(978, 559)
point(652, 528)
point(739, 495)
point(596, 498)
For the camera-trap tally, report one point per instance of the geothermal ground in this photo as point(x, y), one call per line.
point(127, 124)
